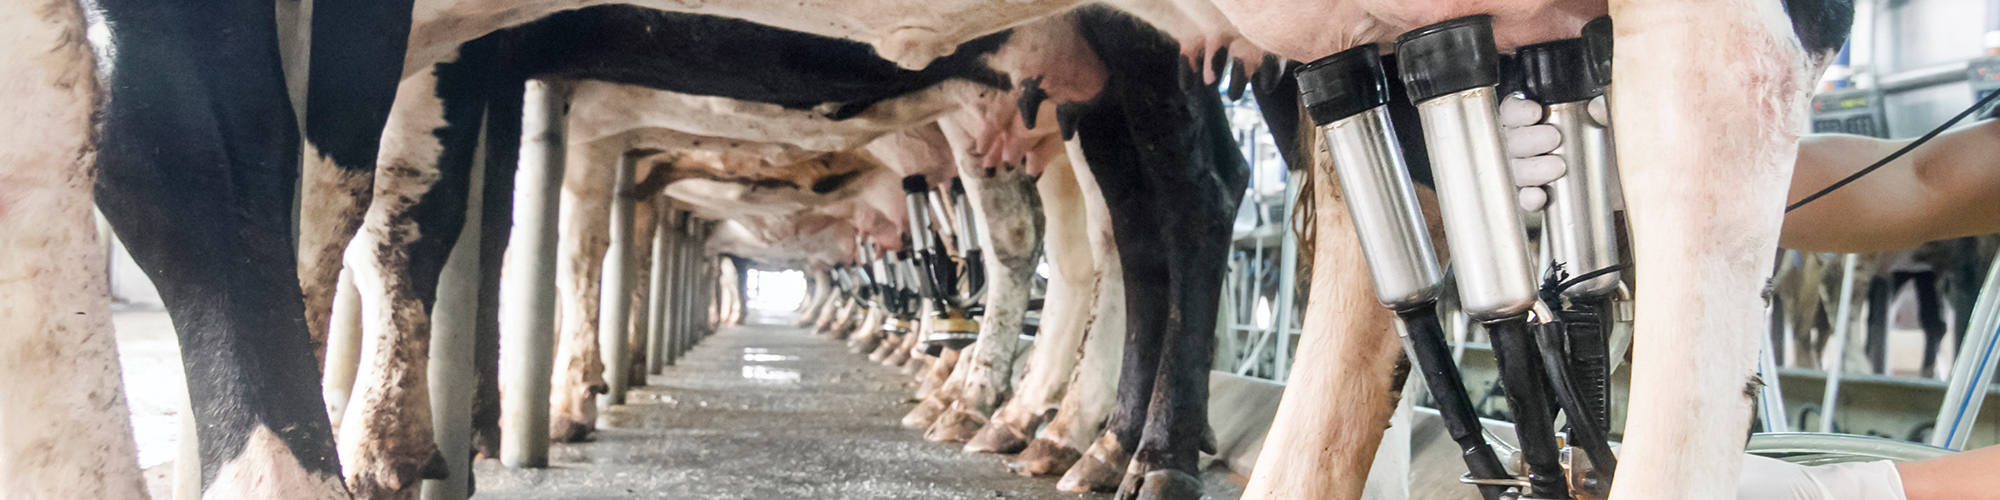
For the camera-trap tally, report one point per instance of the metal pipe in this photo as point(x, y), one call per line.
point(1770, 398)
point(1288, 265)
point(1841, 315)
point(1973, 368)
point(1922, 78)
point(527, 297)
point(614, 298)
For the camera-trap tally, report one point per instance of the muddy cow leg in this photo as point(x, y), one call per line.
point(1065, 317)
point(68, 432)
point(421, 189)
point(196, 172)
point(496, 219)
point(1006, 202)
point(1088, 401)
point(355, 64)
point(1709, 96)
point(586, 210)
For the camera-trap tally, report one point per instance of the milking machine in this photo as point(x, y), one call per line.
point(1548, 336)
point(1451, 71)
point(1580, 228)
point(952, 323)
point(1347, 96)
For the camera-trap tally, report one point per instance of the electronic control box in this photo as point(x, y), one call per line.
point(1984, 75)
point(1857, 112)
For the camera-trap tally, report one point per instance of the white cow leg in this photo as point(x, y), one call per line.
point(934, 405)
point(1092, 392)
point(68, 433)
point(1065, 317)
point(1345, 380)
point(386, 439)
point(937, 369)
point(1709, 99)
point(586, 209)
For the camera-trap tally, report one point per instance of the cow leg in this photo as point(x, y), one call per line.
point(586, 210)
point(496, 219)
point(422, 183)
point(1093, 385)
point(355, 64)
point(196, 169)
point(952, 366)
point(1195, 192)
point(1005, 200)
point(1065, 316)
point(1709, 96)
point(68, 431)
point(643, 225)
point(1345, 381)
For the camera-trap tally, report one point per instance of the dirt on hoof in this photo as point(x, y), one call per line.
point(997, 437)
point(1044, 458)
point(1166, 484)
point(955, 426)
point(920, 418)
point(1102, 468)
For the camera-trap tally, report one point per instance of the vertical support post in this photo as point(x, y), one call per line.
point(1288, 272)
point(1844, 313)
point(656, 320)
point(454, 324)
point(614, 303)
point(527, 296)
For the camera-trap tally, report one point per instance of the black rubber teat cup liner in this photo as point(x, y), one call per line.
point(1448, 57)
point(1597, 42)
point(916, 184)
point(1344, 84)
point(1559, 71)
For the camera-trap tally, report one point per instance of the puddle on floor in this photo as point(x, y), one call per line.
point(762, 373)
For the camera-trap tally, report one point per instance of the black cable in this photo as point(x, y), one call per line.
point(1898, 154)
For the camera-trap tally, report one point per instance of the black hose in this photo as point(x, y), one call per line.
point(1528, 398)
point(1584, 432)
point(1433, 359)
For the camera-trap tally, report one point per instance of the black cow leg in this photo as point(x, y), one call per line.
point(503, 151)
point(197, 162)
point(1161, 149)
point(422, 185)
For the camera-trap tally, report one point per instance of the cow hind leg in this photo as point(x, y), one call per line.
point(196, 169)
point(1006, 201)
point(1709, 96)
point(1065, 317)
point(68, 432)
point(422, 186)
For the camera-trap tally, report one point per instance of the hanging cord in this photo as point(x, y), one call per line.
point(1898, 154)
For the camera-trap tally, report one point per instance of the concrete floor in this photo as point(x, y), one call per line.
point(760, 412)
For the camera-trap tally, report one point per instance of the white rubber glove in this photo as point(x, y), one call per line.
point(1529, 143)
point(1772, 479)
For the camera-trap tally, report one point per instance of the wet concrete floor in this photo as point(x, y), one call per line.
point(765, 412)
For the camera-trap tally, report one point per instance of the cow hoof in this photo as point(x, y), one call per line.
point(570, 432)
point(997, 437)
point(897, 359)
point(1160, 485)
point(1044, 458)
point(1101, 468)
point(955, 426)
point(881, 351)
point(920, 418)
